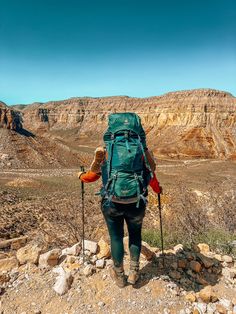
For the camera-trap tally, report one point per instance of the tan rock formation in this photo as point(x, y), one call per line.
point(9, 118)
point(194, 123)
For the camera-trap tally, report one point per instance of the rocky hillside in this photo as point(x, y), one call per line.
point(185, 124)
point(9, 118)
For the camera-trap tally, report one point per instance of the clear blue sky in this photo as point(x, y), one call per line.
point(56, 49)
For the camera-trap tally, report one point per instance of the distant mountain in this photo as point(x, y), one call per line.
point(186, 124)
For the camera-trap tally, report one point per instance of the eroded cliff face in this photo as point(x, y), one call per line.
point(9, 118)
point(194, 123)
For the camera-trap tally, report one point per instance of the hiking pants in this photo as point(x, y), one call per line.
point(115, 214)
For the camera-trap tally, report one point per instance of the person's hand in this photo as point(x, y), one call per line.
point(79, 174)
point(161, 190)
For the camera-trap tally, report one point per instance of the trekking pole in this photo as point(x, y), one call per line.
point(82, 202)
point(162, 242)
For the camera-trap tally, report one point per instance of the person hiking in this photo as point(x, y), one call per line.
point(127, 167)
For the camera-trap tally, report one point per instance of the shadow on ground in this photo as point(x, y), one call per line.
point(189, 270)
point(25, 133)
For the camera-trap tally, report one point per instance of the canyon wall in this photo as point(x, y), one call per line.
point(9, 118)
point(185, 124)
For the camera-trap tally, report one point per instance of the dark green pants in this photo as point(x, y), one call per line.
point(115, 214)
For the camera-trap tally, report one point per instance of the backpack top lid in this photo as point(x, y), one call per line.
point(124, 121)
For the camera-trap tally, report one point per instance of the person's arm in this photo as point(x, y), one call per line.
point(88, 176)
point(150, 159)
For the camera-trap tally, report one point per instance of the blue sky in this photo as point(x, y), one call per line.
point(56, 49)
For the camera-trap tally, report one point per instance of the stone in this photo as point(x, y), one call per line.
point(93, 259)
point(63, 282)
point(175, 274)
point(195, 266)
point(104, 249)
point(202, 307)
point(4, 277)
point(101, 304)
point(88, 270)
point(211, 308)
point(207, 295)
point(220, 309)
point(178, 248)
point(202, 248)
point(190, 297)
point(28, 254)
point(90, 246)
point(206, 261)
point(227, 258)
point(100, 263)
point(3, 255)
point(182, 263)
point(226, 303)
point(73, 250)
point(218, 257)
point(190, 256)
point(7, 264)
point(49, 259)
point(14, 243)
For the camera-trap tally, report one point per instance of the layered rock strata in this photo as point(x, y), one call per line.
point(185, 124)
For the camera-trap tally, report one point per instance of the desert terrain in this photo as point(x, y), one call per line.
point(42, 146)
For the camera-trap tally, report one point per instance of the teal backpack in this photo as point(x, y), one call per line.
point(126, 172)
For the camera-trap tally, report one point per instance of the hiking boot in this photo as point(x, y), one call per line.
point(98, 158)
point(133, 273)
point(118, 275)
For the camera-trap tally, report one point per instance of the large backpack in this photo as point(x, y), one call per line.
point(126, 172)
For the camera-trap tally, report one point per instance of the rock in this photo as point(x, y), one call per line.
point(28, 254)
point(206, 261)
point(101, 304)
point(93, 259)
point(218, 257)
point(195, 266)
point(104, 249)
point(90, 246)
point(73, 250)
point(227, 258)
point(175, 274)
point(211, 308)
point(190, 297)
point(207, 295)
point(182, 263)
point(7, 264)
point(201, 280)
point(3, 255)
point(201, 247)
point(200, 308)
point(49, 259)
point(220, 309)
point(100, 263)
point(88, 270)
point(4, 277)
point(227, 304)
point(178, 248)
point(14, 243)
point(190, 256)
point(234, 309)
point(63, 282)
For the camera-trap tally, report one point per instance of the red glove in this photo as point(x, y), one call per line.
point(154, 184)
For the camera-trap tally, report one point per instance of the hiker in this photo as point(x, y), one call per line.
point(127, 168)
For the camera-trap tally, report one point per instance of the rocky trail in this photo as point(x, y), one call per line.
point(58, 281)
